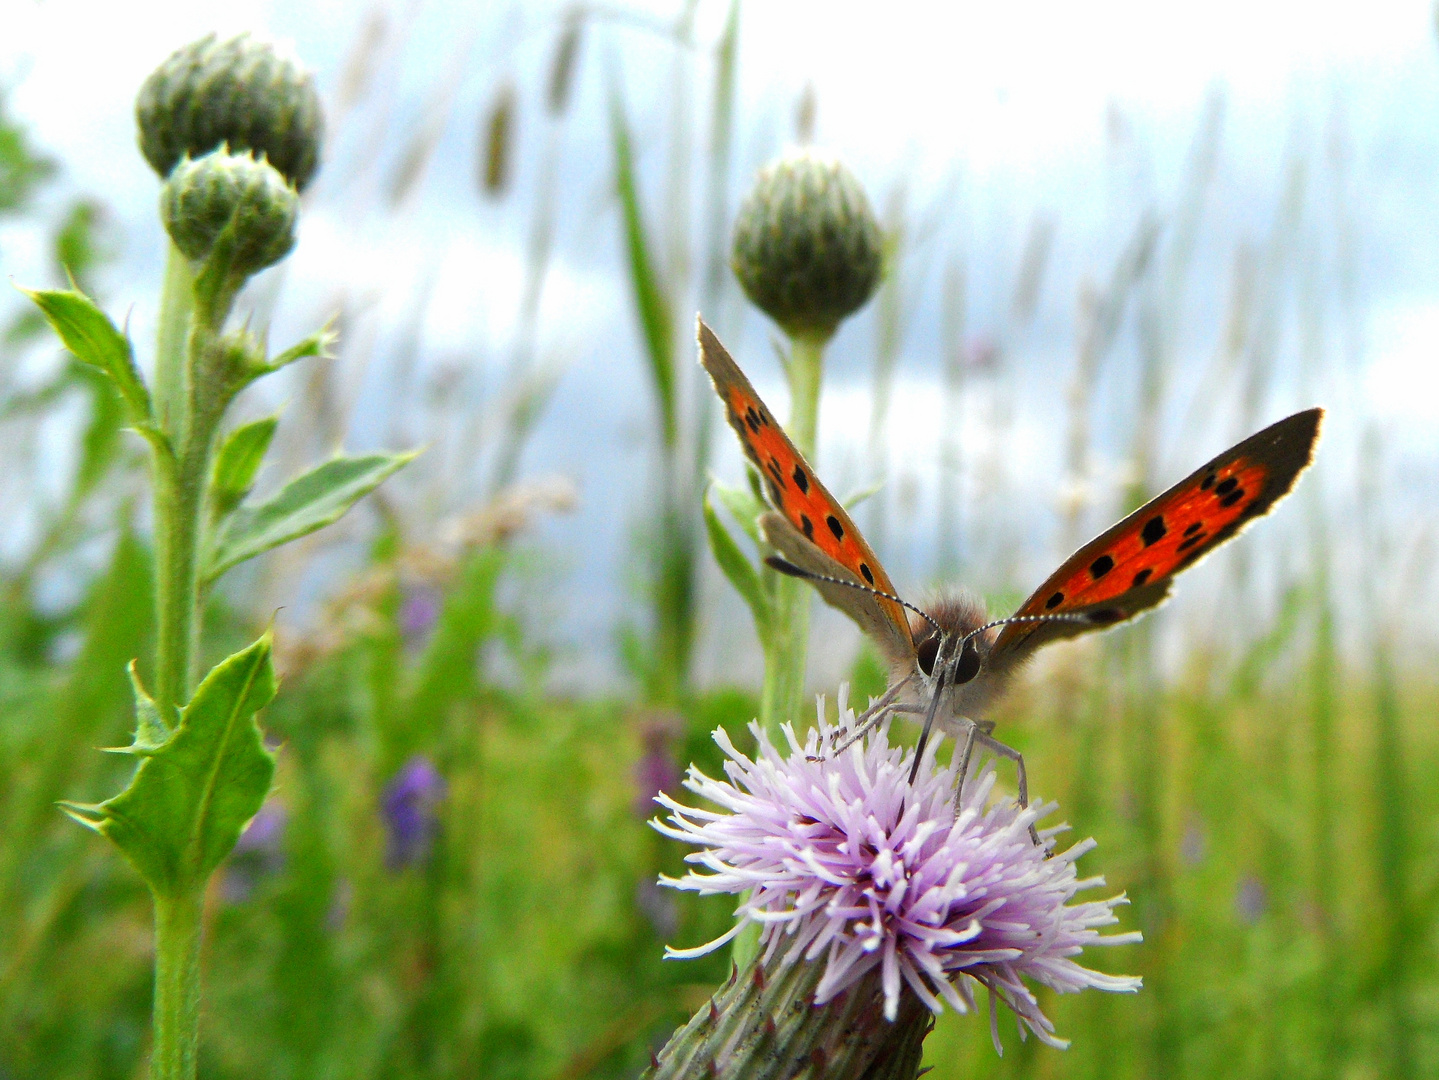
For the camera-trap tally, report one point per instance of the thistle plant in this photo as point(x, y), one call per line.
point(233, 130)
point(880, 903)
point(807, 249)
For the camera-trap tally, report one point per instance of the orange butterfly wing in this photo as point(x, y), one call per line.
point(1129, 568)
point(793, 488)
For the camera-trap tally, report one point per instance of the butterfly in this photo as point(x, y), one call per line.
point(948, 661)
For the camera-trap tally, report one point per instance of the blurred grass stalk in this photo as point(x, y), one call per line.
point(1405, 935)
point(658, 285)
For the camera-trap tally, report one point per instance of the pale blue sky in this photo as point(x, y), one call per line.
point(994, 114)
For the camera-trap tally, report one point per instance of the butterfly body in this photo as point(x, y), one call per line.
point(948, 661)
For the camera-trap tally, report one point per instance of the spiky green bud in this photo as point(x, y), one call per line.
point(241, 92)
point(807, 247)
point(234, 198)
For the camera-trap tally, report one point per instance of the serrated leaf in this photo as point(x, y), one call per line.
point(237, 462)
point(95, 340)
point(309, 502)
point(741, 573)
point(743, 506)
point(192, 796)
point(151, 730)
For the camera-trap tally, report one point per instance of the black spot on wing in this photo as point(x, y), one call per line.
point(807, 526)
point(1101, 566)
point(752, 419)
point(835, 527)
point(1226, 486)
point(1193, 527)
point(1055, 600)
point(1154, 530)
point(801, 481)
point(1141, 577)
point(1232, 498)
point(866, 572)
point(1207, 482)
point(1193, 541)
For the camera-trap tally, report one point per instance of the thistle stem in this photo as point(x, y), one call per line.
point(179, 504)
point(177, 302)
point(192, 401)
point(177, 985)
point(178, 494)
point(782, 696)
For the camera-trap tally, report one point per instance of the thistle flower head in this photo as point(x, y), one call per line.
point(243, 92)
point(845, 863)
point(234, 196)
point(807, 247)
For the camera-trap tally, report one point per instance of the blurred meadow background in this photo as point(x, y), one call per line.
point(1119, 237)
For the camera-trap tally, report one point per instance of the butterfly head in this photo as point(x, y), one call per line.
point(954, 635)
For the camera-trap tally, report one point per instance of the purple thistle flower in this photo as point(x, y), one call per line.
point(408, 807)
point(843, 859)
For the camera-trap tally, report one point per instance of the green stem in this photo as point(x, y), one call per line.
point(782, 697)
point(179, 507)
point(177, 985)
point(177, 303)
point(193, 389)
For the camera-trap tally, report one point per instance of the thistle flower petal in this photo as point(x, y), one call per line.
point(846, 863)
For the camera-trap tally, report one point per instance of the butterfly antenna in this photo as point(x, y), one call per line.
point(784, 566)
point(1088, 620)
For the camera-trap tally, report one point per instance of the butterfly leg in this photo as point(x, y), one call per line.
point(866, 721)
point(964, 755)
point(995, 746)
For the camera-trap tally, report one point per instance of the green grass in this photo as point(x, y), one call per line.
point(522, 946)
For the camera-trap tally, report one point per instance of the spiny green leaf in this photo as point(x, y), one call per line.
point(238, 461)
point(309, 502)
point(151, 730)
point(651, 302)
point(192, 796)
point(744, 506)
point(320, 343)
point(94, 339)
point(742, 575)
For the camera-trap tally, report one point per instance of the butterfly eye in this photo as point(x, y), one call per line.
point(968, 666)
point(925, 652)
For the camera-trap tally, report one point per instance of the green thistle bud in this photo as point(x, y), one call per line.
point(234, 198)
point(242, 93)
point(807, 246)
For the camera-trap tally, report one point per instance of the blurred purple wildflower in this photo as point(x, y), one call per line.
point(657, 770)
point(658, 907)
point(408, 806)
point(257, 854)
point(419, 611)
point(843, 859)
point(1251, 900)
